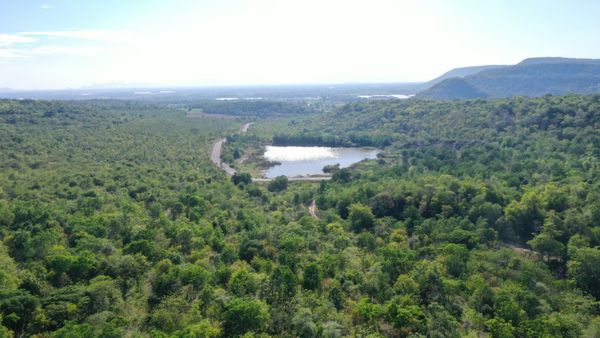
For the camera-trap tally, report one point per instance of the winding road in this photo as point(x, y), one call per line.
point(215, 154)
point(215, 157)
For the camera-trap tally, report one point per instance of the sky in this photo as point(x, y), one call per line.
point(57, 44)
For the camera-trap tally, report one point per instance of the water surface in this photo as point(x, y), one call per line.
point(304, 161)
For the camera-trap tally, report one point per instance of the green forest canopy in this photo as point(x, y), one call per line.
point(482, 218)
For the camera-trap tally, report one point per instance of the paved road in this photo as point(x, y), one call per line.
point(215, 154)
point(245, 127)
point(215, 157)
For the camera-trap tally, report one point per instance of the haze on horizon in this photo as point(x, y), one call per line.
point(57, 44)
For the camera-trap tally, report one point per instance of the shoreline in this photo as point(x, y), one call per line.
point(215, 158)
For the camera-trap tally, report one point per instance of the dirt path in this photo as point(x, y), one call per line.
point(520, 249)
point(312, 209)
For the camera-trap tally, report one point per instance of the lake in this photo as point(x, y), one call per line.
point(303, 161)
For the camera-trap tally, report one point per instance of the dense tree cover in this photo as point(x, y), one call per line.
point(482, 219)
point(329, 140)
point(518, 140)
point(257, 107)
point(468, 180)
point(453, 88)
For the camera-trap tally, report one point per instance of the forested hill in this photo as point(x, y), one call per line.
point(452, 88)
point(531, 77)
point(481, 121)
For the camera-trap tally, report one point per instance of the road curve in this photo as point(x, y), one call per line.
point(215, 157)
point(245, 127)
point(215, 154)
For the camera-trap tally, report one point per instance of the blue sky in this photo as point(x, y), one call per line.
point(68, 44)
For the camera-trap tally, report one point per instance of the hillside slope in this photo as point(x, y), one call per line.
point(531, 77)
point(453, 88)
point(461, 72)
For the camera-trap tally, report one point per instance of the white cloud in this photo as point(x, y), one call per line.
point(66, 50)
point(11, 39)
point(46, 7)
point(40, 43)
point(11, 53)
point(96, 35)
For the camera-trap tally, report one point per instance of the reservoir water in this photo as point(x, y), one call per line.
point(304, 161)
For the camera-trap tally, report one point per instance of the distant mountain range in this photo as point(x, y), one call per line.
point(530, 77)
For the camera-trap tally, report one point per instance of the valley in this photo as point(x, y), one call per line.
point(299, 168)
point(130, 210)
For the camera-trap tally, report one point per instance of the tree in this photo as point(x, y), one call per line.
point(6, 215)
point(366, 240)
point(241, 178)
point(342, 206)
point(440, 323)
point(9, 279)
point(547, 246)
point(407, 318)
point(455, 258)
point(342, 176)
point(236, 153)
point(585, 270)
point(396, 260)
point(383, 205)
point(499, 328)
point(283, 283)
point(172, 313)
point(333, 329)
point(369, 313)
point(278, 184)
point(360, 217)
point(312, 277)
point(336, 295)
point(429, 278)
point(74, 330)
point(103, 295)
point(4, 331)
point(524, 217)
point(331, 168)
point(203, 329)
point(244, 315)
point(303, 324)
point(18, 308)
point(242, 283)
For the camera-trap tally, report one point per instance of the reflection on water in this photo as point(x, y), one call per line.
point(302, 161)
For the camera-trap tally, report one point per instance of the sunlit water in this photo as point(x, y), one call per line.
point(396, 96)
point(303, 161)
